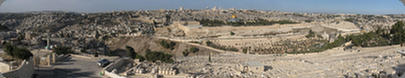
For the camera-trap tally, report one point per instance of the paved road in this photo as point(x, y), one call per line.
point(74, 67)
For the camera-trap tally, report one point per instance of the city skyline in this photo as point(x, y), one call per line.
point(311, 6)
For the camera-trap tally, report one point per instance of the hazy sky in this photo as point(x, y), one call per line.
point(328, 6)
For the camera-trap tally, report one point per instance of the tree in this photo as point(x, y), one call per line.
point(210, 44)
point(398, 33)
point(310, 34)
point(167, 44)
point(244, 50)
point(131, 52)
point(22, 53)
point(232, 33)
point(4, 28)
point(141, 58)
point(194, 49)
point(16, 52)
point(155, 55)
point(8, 48)
point(186, 53)
point(62, 50)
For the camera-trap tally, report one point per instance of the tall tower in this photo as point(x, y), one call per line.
point(48, 39)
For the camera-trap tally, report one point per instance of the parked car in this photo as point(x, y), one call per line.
point(103, 62)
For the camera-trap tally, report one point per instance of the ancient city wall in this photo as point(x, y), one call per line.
point(25, 70)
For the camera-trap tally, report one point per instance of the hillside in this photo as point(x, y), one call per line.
point(141, 44)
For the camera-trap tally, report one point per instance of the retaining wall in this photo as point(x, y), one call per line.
point(25, 70)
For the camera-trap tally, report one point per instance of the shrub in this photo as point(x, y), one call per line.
point(155, 55)
point(194, 49)
point(310, 34)
point(374, 38)
point(210, 23)
point(232, 33)
point(167, 44)
point(398, 33)
point(16, 52)
point(256, 22)
point(8, 48)
point(308, 21)
point(4, 28)
point(141, 58)
point(22, 53)
point(209, 43)
point(244, 50)
point(131, 52)
point(195, 42)
point(62, 50)
point(186, 53)
point(350, 19)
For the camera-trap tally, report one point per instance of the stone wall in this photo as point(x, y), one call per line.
point(112, 75)
point(113, 70)
point(4, 67)
point(25, 70)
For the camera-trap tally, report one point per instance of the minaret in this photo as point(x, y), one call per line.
point(48, 40)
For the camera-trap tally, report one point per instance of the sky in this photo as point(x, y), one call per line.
point(309, 6)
